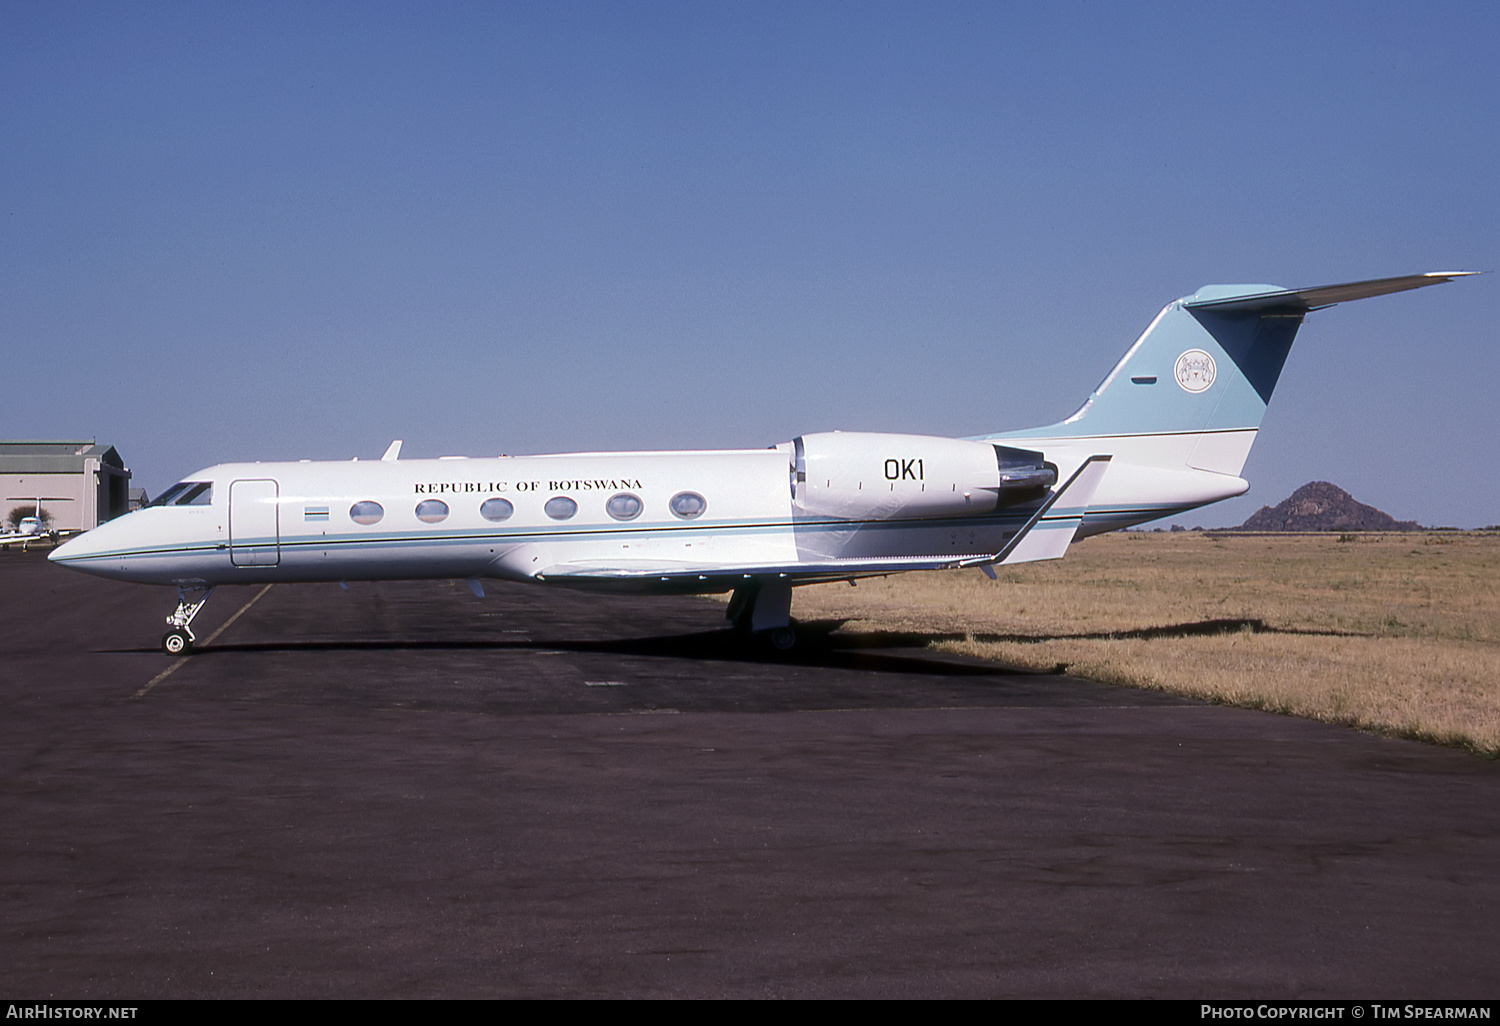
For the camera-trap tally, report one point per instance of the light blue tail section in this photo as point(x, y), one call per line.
point(1192, 370)
point(1180, 411)
point(1210, 361)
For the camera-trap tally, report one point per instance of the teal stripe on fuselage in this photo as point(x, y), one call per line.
point(1123, 515)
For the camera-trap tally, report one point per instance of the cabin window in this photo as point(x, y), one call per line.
point(366, 512)
point(496, 510)
point(560, 507)
point(624, 506)
point(688, 505)
point(432, 511)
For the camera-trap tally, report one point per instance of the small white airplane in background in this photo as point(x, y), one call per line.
point(1167, 431)
point(34, 527)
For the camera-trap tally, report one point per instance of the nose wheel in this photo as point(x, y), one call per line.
point(190, 599)
point(177, 642)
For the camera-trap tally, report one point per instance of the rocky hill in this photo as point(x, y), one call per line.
point(1320, 506)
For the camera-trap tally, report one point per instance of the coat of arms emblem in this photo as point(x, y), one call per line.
point(1195, 370)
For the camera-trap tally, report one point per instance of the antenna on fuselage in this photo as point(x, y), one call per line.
point(394, 452)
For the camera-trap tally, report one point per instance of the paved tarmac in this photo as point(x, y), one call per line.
point(401, 790)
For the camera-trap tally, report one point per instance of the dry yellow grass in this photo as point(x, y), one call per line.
point(1391, 633)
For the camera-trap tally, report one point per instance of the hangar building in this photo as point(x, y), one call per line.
point(81, 483)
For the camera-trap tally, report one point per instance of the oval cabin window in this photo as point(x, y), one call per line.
point(496, 510)
point(624, 506)
point(560, 507)
point(432, 511)
point(366, 512)
point(688, 505)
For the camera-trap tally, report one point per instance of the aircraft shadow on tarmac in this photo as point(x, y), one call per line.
point(821, 644)
point(818, 646)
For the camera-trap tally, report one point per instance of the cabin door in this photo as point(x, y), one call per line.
point(254, 527)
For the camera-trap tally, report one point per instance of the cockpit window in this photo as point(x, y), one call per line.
point(166, 497)
point(186, 493)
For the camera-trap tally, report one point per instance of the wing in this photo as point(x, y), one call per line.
point(1046, 535)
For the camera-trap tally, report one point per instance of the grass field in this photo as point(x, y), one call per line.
point(1393, 633)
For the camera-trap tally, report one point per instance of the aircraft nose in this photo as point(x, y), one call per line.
point(82, 552)
point(76, 547)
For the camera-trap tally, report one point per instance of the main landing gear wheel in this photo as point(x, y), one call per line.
point(782, 639)
point(762, 609)
point(177, 642)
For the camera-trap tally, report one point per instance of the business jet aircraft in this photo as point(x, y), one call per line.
point(26, 532)
point(1167, 431)
point(32, 528)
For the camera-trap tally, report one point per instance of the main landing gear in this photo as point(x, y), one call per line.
point(762, 607)
point(190, 598)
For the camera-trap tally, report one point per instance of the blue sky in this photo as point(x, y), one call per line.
point(282, 231)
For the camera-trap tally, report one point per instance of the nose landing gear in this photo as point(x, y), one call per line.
point(190, 599)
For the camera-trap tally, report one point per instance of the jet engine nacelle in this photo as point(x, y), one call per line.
point(855, 475)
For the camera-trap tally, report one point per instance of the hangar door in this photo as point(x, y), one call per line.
point(254, 530)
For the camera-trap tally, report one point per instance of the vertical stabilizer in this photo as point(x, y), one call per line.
point(1200, 376)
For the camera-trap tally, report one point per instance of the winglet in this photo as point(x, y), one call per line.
point(394, 452)
point(1051, 528)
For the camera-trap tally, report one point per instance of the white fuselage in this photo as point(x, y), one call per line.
point(668, 521)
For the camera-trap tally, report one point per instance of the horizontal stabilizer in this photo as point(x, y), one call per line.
point(1051, 529)
point(1303, 300)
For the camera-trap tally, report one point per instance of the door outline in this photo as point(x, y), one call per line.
point(254, 522)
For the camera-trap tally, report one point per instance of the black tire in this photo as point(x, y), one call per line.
point(176, 642)
point(782, 639)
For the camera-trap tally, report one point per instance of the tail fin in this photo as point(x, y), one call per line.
point(1207, 366)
